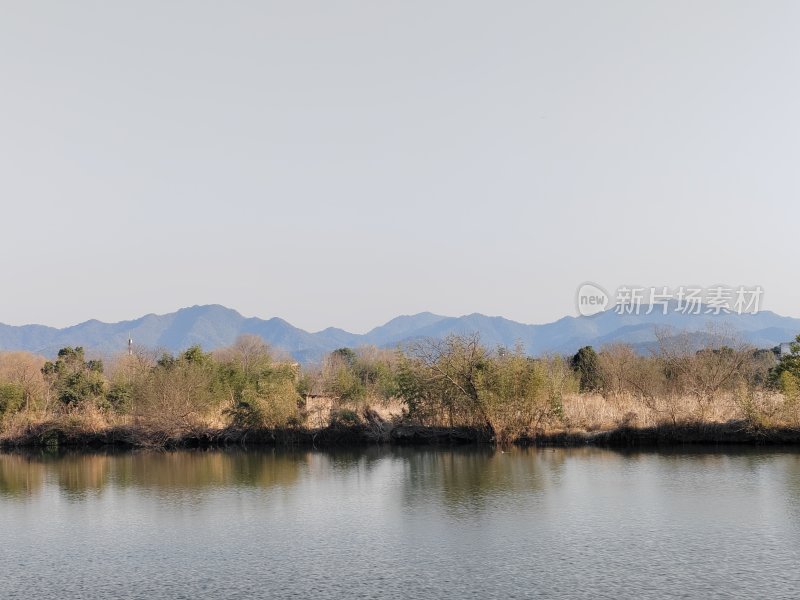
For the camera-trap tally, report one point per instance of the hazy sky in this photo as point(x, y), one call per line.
point(340, 162)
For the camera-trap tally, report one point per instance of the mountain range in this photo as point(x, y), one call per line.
point(214, 326)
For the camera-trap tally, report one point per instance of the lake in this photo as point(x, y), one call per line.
point(402, 523)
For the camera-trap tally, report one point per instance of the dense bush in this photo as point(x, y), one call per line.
point(459, 382)
point(74, 380)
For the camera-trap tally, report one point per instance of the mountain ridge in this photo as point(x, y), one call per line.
point(214, 325)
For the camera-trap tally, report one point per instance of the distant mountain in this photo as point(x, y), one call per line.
point(214, 326)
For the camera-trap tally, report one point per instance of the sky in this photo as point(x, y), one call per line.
point(341, 163)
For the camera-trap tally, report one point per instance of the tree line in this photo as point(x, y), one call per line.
point(454, 382)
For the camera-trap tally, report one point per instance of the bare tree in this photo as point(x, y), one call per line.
point(452, 366)
point(248, 352)
point(703, 364)
point(25, 370)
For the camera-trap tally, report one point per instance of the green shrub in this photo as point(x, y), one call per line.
point(12, 398)
point(272, 403)
point(344, 417)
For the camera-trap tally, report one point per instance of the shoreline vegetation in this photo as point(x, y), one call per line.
point(692, 388)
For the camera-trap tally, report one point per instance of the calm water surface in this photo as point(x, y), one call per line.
point(396, 523)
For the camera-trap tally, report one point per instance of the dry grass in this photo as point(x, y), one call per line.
point(389, 410)
point(593, 412)
point(84, 423)
point(319, 410)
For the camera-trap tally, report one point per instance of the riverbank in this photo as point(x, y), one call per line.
point(60, 434)
point(245, 395)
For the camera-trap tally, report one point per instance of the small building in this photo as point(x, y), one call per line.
point(318, 409)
